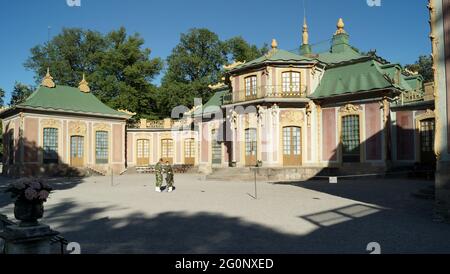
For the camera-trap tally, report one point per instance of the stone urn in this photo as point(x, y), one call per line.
point(28, 212)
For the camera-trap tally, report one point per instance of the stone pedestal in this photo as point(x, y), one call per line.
point(442, 207)
point(28, 240)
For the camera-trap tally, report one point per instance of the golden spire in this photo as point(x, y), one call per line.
point(305, 33)
point(340, 27)
point(274, 44)
point(84, 85)
point(48, 80)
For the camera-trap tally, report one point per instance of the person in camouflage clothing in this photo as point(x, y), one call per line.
point(159, 175)
point(169, 176)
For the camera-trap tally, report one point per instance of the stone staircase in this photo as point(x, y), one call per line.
point(269, 174)
point(92, 171)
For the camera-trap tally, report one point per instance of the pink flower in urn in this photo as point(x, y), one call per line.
point(30, 194)
point(43, 195)
point(36, 185)
point(19, 185)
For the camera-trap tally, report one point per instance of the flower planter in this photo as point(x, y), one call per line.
point(28, 212)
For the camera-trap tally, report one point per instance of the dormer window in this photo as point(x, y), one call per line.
point(250, 86)
point(291, 82)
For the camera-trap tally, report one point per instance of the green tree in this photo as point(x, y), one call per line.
point(20, 93)
point(241, 51)
point(2, 97)
point(2, 103)
point(196, 62)
point(117, 66)
point(198, 57)
point(424, 66)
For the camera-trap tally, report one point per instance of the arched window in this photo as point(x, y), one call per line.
point(292, 148)
point(50, 145)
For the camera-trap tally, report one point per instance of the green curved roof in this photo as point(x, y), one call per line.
point(358, 77)
point(69, 99)
point(276, 55)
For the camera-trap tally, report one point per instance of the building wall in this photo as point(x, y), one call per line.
point(29, 146)
point(155, 138)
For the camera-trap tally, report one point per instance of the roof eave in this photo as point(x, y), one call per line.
point(119, 116)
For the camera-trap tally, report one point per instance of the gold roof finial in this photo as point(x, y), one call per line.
point(48, 80)
point(340, 26)
point(305, 35)
point(274, 44)
point(84, 85)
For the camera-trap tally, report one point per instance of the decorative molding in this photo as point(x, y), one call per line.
point(102, 127)
point(349, 109)
point(142, 136)
point(429, 114)
point(52, 123)
point(275, 109)
point(308, 109)
point(77, 128)
point(233, 117)
point(292, 117)
point(166, 135)
point(261, 113)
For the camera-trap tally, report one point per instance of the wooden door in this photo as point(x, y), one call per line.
point(77, 151)
point(143, 152)
point(167, 150)
point(292, 148)
point(189, 152)
point(250, 147)
point(427, 131)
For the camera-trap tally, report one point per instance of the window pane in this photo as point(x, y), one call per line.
point(101, 147)
point(250, 142)
point(50, 144)
point(351, 136)
point(167, 148)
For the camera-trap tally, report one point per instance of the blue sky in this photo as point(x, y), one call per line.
point(398, 29)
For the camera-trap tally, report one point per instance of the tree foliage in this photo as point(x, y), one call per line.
point(424, 66)
point(119, 70)
point(196, 62)
point(20, 93)
point(2, 97)
point(241, 51)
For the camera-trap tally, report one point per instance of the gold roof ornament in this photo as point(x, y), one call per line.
point(305, 35)
point(127, 112)
point(48, 80)
point(340, 27)
point(217, 86)
point(274, 44)
point(232, 66)
point(84, 85)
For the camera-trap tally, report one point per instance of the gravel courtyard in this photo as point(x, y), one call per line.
point(128, 216)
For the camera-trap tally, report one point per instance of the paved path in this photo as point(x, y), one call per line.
point(223, 217)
